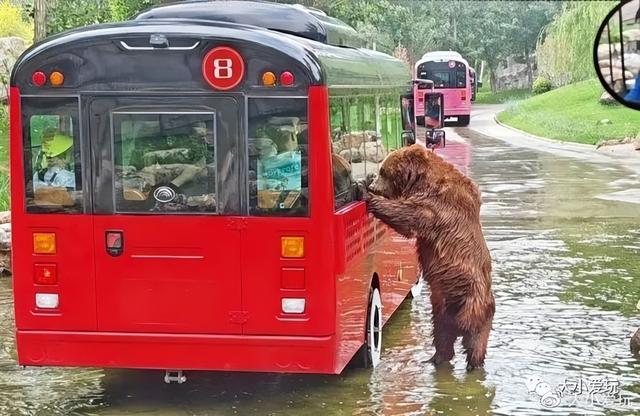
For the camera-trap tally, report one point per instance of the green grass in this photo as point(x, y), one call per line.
point(572, 113)
point(4, 158)
point(485, 96)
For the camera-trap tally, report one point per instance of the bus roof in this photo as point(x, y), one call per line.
point(294, 19)
point(441, 56)
point(97, 58)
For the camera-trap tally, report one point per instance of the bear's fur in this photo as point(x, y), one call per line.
point(422, 196)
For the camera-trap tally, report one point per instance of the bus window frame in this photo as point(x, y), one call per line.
point(213, 112)
point(80, 149)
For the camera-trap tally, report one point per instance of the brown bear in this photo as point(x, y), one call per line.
point(422, 196)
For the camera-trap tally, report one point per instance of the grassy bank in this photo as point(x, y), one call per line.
point(485, 96)
point(573, 113)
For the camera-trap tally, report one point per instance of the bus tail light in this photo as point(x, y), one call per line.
point(292, 247)
point(45, 274)
point(56, 78)
point(44, 243)
point(287, 79)
point(268, 79)
point(463, 95)
point(39, 78)
point(47, 300)
point(293, 305)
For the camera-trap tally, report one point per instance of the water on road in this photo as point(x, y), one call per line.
point(566, 279)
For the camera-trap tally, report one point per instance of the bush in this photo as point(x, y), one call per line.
point(541, 85)
point(12, 23)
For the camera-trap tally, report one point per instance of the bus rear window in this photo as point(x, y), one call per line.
point(52, 154)
point(442, 75)
point(278, 162)
point(164, 162)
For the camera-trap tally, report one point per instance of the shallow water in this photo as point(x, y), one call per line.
point(566, 279)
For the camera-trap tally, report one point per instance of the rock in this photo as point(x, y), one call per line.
point(635, 343)
point(514, 75)
point(636, 146)
point(604, 121)
point(5, 216)
point(10, 49)
point(632, 62)
point(617, 74)
point(603, 50)
point(5, 236)
point(352, 155)
point(607, 99)
point(374, 151)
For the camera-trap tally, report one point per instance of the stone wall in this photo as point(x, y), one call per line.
point(514, 74)
point(10, 49)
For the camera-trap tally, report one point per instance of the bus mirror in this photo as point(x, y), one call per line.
point(435, 138)
point(434, 110)
point(479, 84)
point(408, 115)
point(408, 138)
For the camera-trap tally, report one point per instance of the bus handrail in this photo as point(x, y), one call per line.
point(151, 48)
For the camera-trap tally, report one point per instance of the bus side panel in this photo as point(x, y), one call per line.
point(73, 258)
point(354, 269)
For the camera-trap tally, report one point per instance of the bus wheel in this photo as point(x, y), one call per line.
point(416, 289)
point(373, 344)
point(463, 121)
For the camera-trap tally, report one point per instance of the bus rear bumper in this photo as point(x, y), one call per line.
point(280, 354)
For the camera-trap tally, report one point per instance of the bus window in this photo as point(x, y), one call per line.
point(442, 75)
point(278, 160)
point(358, 142)
point(164, 162)
point(343, 184)
point(53, 178)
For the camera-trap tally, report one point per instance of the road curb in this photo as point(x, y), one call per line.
point(582, 146)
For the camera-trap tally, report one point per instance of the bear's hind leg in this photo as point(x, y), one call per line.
point(475, 346)
point(445, 332)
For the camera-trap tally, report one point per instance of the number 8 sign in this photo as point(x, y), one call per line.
point(223, 68)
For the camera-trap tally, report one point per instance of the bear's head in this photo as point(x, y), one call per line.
point(407, 171)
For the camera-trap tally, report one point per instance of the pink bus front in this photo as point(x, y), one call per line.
point(450, 74)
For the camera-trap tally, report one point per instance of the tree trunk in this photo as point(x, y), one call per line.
point(529, 69)
point(494, 83)
point(40, 19)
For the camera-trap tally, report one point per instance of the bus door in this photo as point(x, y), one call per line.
point(166, 199)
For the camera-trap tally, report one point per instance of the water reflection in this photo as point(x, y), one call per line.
point(566, 280)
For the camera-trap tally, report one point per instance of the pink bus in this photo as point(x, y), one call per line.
point(451, 75)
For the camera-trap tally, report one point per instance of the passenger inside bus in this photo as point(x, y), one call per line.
point(54, 162)
point(278, 163)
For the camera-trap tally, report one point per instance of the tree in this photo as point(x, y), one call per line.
point(40, 19)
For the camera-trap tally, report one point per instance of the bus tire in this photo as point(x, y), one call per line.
point(463, 121)
point(372, 350)
point(420, 121)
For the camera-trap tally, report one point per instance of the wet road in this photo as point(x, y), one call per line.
point(567, 280)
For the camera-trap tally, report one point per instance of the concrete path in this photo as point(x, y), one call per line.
point(483, 122)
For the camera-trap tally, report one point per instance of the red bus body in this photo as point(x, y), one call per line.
point(452, 76)
point(194, 291)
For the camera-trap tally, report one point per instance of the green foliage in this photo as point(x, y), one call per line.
point(69, 14)
point(572, 113)
point(565, 50)
point(125, 9)
point(486, 96)
point(13, 23)
point(542, 85)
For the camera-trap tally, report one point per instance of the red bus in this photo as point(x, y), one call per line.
point(184, 193)
point(452, 76)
